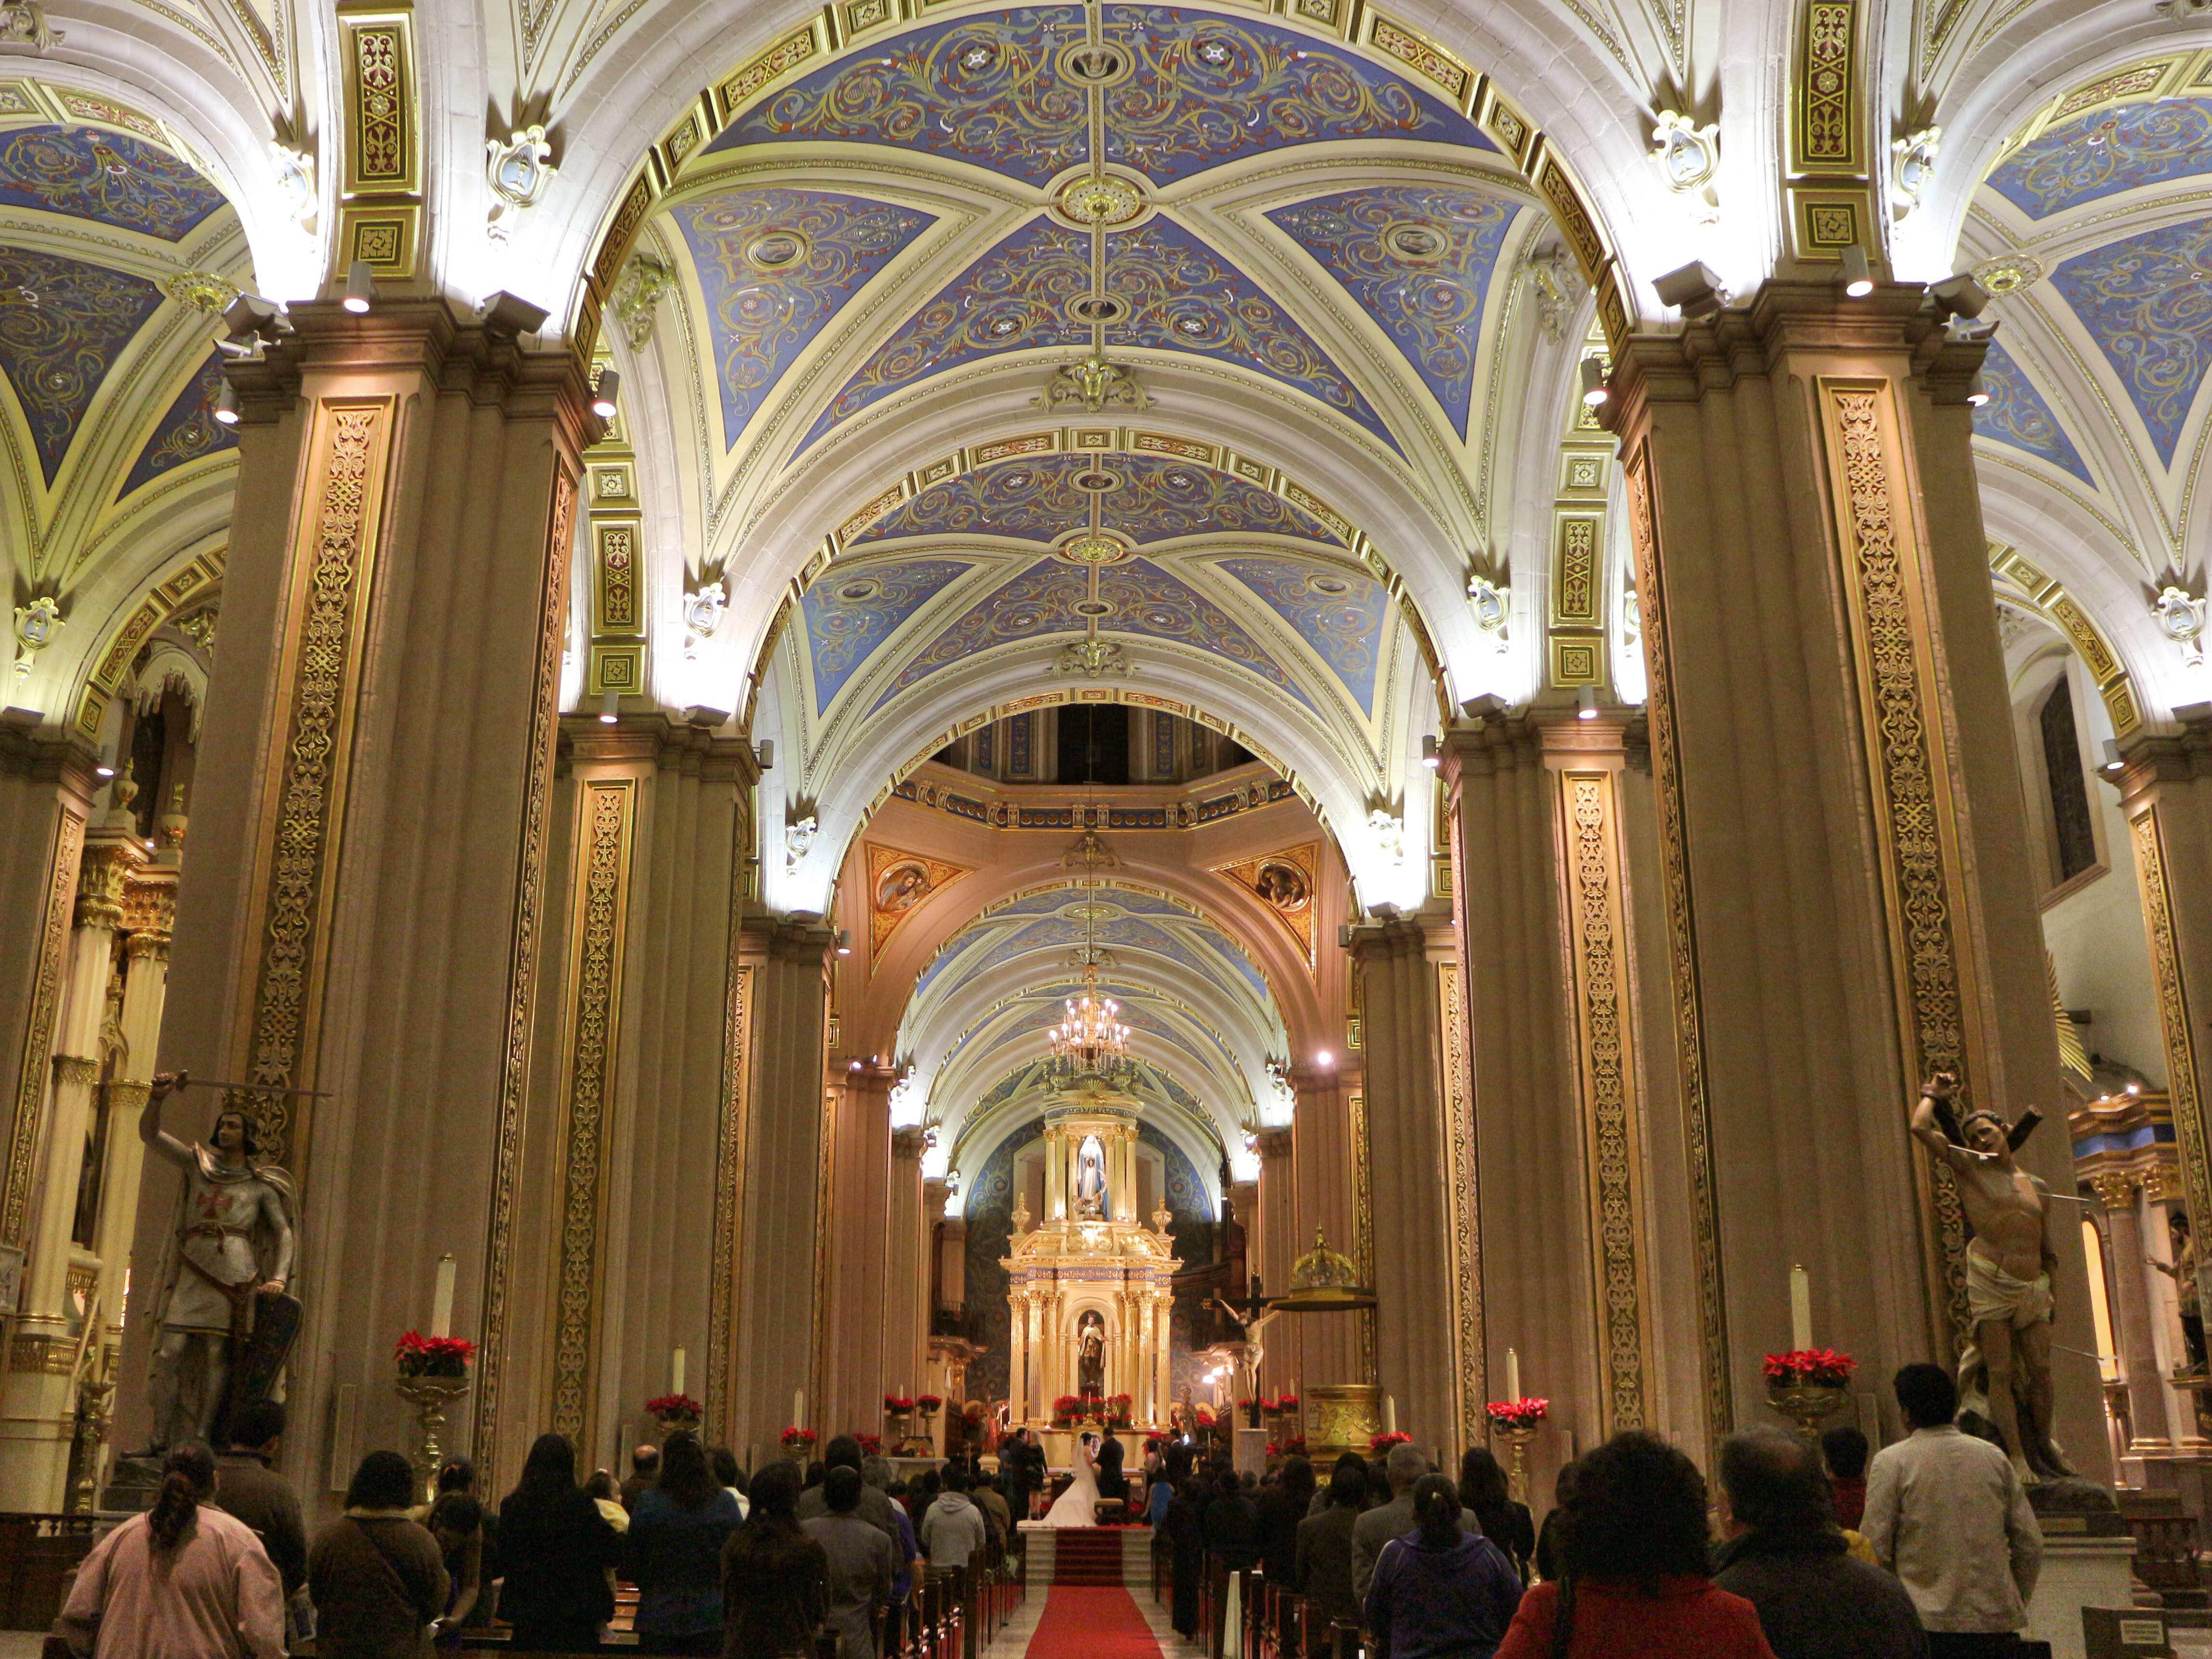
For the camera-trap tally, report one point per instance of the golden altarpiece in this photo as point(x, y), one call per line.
point(1090, 1286)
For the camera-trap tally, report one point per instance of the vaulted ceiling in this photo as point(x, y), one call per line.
point(114, 249)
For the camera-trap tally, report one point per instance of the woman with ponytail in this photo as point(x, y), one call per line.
point(184, 1581)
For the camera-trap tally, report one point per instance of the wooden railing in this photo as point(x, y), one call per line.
point(1274, 1621)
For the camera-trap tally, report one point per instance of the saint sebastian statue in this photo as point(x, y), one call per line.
point(2008, 1266)
point(232, 1247)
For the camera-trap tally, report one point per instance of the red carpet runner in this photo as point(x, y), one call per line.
point(1091, 1621)
point(1087, 1556)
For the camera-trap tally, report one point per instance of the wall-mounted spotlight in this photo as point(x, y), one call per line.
point(361, 287)
point(1959, 296)
point(845, 949)
point(1431, 752)
point(1977, 390)
point(106, 767)
point(1594, 390)
point(604, 394)
point(610, 706)
point(1857, 275)
point(1586, 703)
point(226, 405)
point(1324, 1058)
point(2113, 766)
point(765, 750)
point(1694, 289)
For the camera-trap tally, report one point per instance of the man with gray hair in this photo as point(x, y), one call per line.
point(1784, 1553)
point(1395, 1519)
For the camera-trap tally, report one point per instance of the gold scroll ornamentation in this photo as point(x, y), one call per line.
point(1682, 953)
point(723, 1333)
point(1613, 1152)
point(1363, 1223)
point(825, 1163)
point(325, 676)
point(606, 810)
point(2173, 1011)
point(1469, 1380)
point(1827, 134)
point(1905, 775)
point(39, 1030)
point(522, 974)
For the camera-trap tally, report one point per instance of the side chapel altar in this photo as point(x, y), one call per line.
point(1089, 1287)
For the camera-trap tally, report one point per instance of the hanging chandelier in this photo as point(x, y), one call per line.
point(1090, 1044)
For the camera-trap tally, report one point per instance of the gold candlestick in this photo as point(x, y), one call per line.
point(1517, 1465)
point(430, 1395)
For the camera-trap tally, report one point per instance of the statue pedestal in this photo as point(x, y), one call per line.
point(2078, 1572)
point(1250, 1454)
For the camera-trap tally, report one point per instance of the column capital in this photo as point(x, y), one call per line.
point(2149, 756)
point(910, 1142)
point(1492, 739)
point(47, 754)
point(481, 357)
point(800, 937)
point(1274, 1142)
point(2115, 1189)
point(109, 859)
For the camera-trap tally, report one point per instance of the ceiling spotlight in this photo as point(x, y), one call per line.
point(602, 396)
point(2113, 766)
point(1959, 296)
point(249, 315)
point(1586, 703)
point(106, 767)
point(1694, 289)
point(1324, 1058)
point(1595, 391)
point(226, 405)
point(610, 706)
point(1431, 754)
point(1857, 275)
point(1977, 390)
point(845, 949)
point(361, 287)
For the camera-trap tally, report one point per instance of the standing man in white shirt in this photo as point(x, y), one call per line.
point(1946, 1512)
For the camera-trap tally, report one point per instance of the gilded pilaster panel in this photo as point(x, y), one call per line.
point(39, 1030)
point(522, 975)
point(1884, 594)
point(1612, 1154)
point(1469, 1384)
point(1363, 1222)
point(825, 1170)
point(318, 697)
point(723, 1333)
point(606, 818)
point(2173, 1011)
point(1682, 950)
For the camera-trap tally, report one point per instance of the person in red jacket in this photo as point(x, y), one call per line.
point(1636, 1584)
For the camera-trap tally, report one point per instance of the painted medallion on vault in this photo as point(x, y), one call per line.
point(1284, 882)
point(898, 881)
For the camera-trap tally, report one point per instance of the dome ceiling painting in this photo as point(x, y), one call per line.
point(1200, 1012)
point(2090, 228)
point(115, 251)
point(1283, 213)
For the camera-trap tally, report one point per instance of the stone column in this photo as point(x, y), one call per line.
point(2122, 1198)
point(145, 986)
point(1125, 1174)
point(1017, 1359)
point(1325, 1348)
point(1275, 1232)
point(780, 1275)
point(1842, 832)
point(374, 818)
point(1162, 1354)
point(905, 1339)
point(859, 1226)
point(40, 1395)
point(2166, 790)
point(1418, 1258)
point(1056, 1173)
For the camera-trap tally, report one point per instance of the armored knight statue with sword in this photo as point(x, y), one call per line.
point(223, 1273)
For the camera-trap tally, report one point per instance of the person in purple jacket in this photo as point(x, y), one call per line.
point(1440, 1593)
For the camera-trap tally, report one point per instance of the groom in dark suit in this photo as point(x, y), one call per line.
point(1112, 1483)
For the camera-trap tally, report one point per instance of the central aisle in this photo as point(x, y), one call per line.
point(1081, 1605)
point(1092, 1621)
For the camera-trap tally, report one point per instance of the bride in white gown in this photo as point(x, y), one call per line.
point(1079, 1505)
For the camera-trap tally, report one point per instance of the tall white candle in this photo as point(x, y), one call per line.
point(676, 1372)
point(1512, 1374)
point(1800, 1309)
point(799, 1408)
point(1389, 1415)
point(441, 1305)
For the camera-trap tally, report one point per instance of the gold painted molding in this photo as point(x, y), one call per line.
point(723, 1333)
point(334, 555)
point(522, 978)
point(1909, 773)
point(1464, 1208)
point(1612, 1114)
point(606, 810)
point(39, 1030)
point(1682, 949)
point(1363, 1221)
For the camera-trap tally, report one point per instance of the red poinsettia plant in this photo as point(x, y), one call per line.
point(795, 1438)
point(1518, 1413)
point(898, 1402)
point(929, 1402)
point(1288, 1402)
point(1205, 1418)
point(872, 1445)
point(1067, 1406)
point(434, 1356)
point(1380, 1444)
point(1826, 1366)
point(1295, 1447)
point(678, 1406)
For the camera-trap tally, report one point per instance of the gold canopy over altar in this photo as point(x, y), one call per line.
point(1089, 1287)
